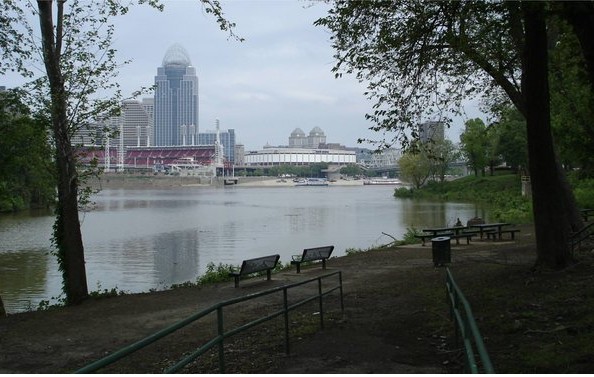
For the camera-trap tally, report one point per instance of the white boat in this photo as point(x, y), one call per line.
point(382, 181)
point(312, 182)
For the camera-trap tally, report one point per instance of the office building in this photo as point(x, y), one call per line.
point(226, 138)
point(431, 131)
point(176, 100)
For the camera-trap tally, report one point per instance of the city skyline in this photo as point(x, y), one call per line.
point(279, 79)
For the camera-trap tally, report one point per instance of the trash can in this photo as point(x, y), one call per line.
point(441, 250)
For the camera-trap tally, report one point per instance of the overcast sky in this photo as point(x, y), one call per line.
point(278, 79)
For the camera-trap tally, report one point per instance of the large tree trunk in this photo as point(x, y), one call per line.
point(67, 233)
point(552, 213)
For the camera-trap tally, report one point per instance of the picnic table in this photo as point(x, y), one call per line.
point(497, 226)
point(454, 232)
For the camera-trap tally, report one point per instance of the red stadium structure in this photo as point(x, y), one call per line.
point(153, 158)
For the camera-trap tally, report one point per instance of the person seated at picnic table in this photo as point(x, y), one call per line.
point(458, 222)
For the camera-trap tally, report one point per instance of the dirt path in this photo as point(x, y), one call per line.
point(389, 323)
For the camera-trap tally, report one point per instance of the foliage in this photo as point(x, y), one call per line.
point(474, 145)
point(351, 170)
point(572, 113)
point(409, 236)
point(584, 192)
point(215, 273)
point(415, 167)
point(441, 153)
point(502, 193)
point(421, 60)
point(26, 172)
point(511, 132)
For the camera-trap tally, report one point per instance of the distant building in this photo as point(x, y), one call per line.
point(316, 137)
point(299, 156)
point(239, 154)
point(136, 124)
point(176, 100)
point(227, 139)
point(302, 150)
point(431, 131)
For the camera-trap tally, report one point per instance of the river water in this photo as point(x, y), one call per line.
point(141, 240)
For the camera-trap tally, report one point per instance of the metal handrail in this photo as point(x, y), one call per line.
point(577, 237)
point(221, 334)
point(465, 324)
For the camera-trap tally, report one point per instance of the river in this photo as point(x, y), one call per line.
point(148, 239)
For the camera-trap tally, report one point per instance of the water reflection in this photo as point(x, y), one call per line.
point(138, 240)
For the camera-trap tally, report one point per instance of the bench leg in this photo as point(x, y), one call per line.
point(236, 281)
point(298, 267)
point(268, 274)
point(323, 264)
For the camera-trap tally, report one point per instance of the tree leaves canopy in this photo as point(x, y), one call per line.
point(421, 60)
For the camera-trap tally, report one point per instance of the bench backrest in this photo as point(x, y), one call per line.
point(250, 266)
point(317, 253)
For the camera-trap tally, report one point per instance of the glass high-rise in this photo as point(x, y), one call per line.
point(176, 100)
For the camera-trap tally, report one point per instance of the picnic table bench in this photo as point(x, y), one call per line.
point(250, 266)
point(423, 237)
point(489, 228)
point(467, 235)
point(312, 254)
point(496, 234)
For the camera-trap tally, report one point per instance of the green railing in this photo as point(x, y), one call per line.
point(465, 326)
point(221, 333)
point(579, 236)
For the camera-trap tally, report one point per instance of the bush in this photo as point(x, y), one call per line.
point(215, 273)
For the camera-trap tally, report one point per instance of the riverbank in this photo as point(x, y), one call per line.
point(140, 181)
point(396, 319)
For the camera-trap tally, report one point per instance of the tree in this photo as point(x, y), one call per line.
point(79, 63)
point(426, 57)
point(415, 167)
point(26, 174)
point(351, 170)
point(572, 101)
point(512, 138)
point(442, 153)
point(473, 142)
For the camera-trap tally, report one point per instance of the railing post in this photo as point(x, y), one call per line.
point(286, 314)
point(321, 304)
point(340, 285)
point(221, 332)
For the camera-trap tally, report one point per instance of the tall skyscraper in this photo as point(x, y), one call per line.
point(176, 100)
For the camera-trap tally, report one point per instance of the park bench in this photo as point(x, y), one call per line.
point(424, 237)
point(251, 266)
point(497, 234)
point(313, 254)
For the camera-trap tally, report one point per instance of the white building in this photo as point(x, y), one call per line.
point(299, 156)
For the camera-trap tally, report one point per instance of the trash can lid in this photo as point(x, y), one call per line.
point(437, 239)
